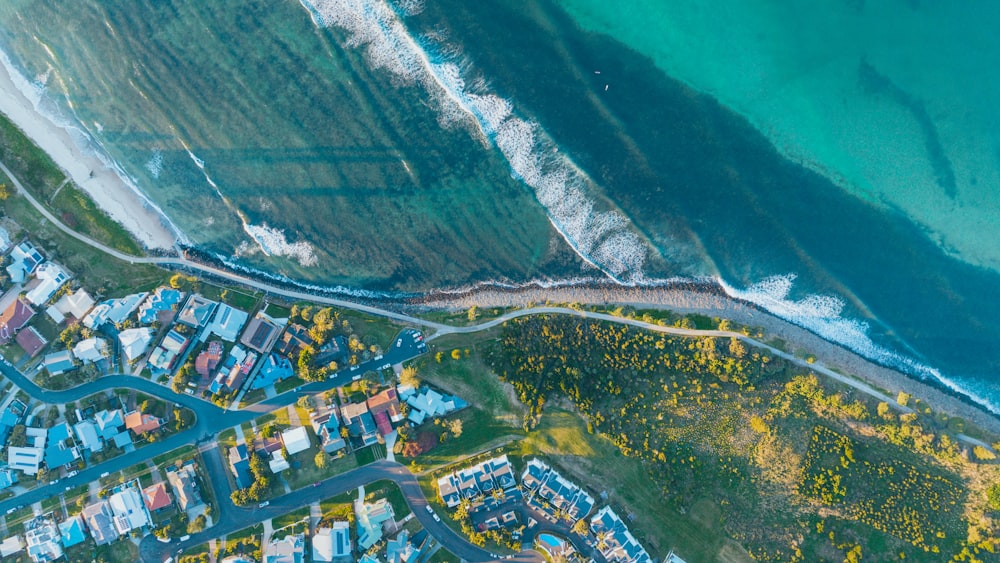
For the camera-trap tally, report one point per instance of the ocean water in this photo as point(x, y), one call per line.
point(837, 167)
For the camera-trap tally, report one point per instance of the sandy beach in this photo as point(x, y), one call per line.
point(108, 190)
point(711, 303)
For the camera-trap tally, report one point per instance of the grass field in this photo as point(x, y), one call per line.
point(290, 518)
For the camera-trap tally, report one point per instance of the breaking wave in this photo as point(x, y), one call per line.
point(273, 242)
point(823, 315)
point(605, 238)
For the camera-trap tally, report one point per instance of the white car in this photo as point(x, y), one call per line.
point(436, 519)
point(429, 509)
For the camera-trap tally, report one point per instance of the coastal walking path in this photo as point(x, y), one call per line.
point(442, 329)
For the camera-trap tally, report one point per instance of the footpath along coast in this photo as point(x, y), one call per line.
point(835, 360)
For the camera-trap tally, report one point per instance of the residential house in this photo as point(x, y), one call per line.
point(427, 403)
point(100, 519)
point(134, 342)
point(289, 549)
point(261, 333)
point(49, 277)
point(114, 311)
point(71, 531)
point(404, 549)
point(58, 452)
point(43, 539)
point(672, 558)
point(74, 304)
point(293, 340)
point(208, 359)
point(129, 509)
point(7, 478)
point(234, 370)
point(24, 459)
point(162, 299)
point(618, 546)
point(164, 355)
point(156, 497)
point(109, 423)
point(197, 311)
point(140, 423)
point(239, 462)
point(14, 318)
point(278, 463)
point(30, 341)
point(185, 486)
point(274, 369)
point(86, 435)
point(332, 543)
point(9, 418)
point(333, 351)
point(553, 494)
point(296, 440)
point(359, 422)
point(479, 482)
point(58, 363)
point(91, 350)
point(25, 258)
point(227, 322)
point(384, 408)
point(369, 518)
point(326, 425)
point(10, 546)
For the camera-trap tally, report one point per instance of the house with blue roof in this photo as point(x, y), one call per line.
point(86, 435)
point(114, 311)
point(227, 322)
point(7, 478)
point(123, 440)
point(71, 531)
point(109, 424)
point(58, 453)
point(163, 299)
point(59, 362)
point(239, 462)
point(9, 418)
point(272, 370)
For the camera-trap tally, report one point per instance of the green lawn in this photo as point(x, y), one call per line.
point(443, 556)
point(371, 453)
point(306, 472)
point(288, 384)
point(290, 518)
point(227, 438)
point(481, 430)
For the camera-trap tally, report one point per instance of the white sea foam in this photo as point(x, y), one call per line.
point(822, 314)
point(273, 242)
point(155, 164)
point(604, 238)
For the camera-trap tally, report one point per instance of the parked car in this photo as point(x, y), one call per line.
point(263, 504)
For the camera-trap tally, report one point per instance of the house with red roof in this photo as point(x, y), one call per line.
point(140, 423)
point(209, 359)
point(13, 319)
point(30, 341)
point(156, 497)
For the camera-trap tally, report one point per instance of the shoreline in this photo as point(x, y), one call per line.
point(103, 184)
point(709, 299)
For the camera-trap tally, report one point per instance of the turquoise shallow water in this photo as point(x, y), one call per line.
point(837, 167)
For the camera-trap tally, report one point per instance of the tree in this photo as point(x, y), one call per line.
point(4, 192)
point(320, 460)
point(197, 525)
point(993, 497)
point(473, 313)
point(983, 454)
point(581, 527)
point(455, 427)
point(176, 281)
point(758, 425)
point(409, 377)
point(304, 402)
point(902, 399)
point(456, 354)
point(883, 409)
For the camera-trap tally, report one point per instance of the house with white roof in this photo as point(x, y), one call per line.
point(76, 304)
point(44, 540)
point(100, 521)
point(618, 545)
point(114, 311)
point(331, 543)
point(129, 509)
point(26, 460)
point(10, 546)
point(296, 440)
point(91, 350)
point(227, 322)
point(25, 259)
point(134, 342)
point(49, 277)
point(289, 549)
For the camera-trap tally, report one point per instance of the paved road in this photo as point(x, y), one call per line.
point(237, 518)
